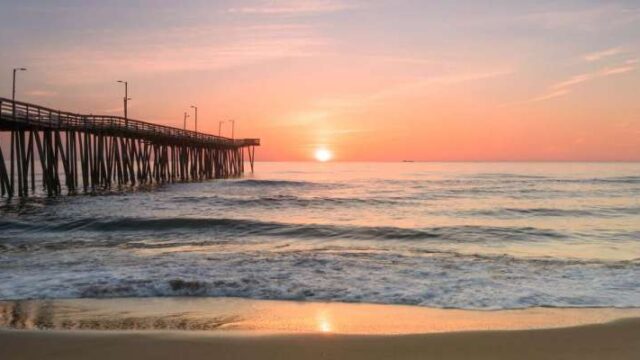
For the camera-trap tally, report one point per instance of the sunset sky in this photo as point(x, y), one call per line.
point(370, 80)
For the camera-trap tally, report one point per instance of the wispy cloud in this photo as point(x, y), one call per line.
point(298, 7)
point(418, 85)
point(415, 87)
point(573, 81)
point(591, 18)
point(188, 49)
point(599, 55)
point(616, 70)
point(549, 95)
point(565, 87)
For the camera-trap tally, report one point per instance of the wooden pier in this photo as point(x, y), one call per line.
point(95, 152)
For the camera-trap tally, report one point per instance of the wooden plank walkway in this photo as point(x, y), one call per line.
point(93, 152)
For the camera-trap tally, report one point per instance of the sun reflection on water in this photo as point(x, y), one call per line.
point(324, 324)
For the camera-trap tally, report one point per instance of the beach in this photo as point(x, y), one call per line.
point(617, 340)
point(132, 329)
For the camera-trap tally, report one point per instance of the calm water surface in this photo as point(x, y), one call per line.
point(460, 235)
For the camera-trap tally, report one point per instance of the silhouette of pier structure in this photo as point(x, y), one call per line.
point(96, 152)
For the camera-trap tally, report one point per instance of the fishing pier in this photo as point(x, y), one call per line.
point(96, 152)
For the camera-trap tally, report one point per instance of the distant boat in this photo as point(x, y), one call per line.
point(407, 161)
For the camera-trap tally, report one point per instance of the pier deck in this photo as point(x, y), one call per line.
point(98, 151)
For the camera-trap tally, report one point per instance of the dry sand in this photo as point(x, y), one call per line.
point(619, 340)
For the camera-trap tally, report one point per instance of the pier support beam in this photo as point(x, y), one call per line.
point(94, 162)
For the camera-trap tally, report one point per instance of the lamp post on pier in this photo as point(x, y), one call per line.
point(196, 116)
point(220, 127)
point(13, 93)
point(126, 101)
point(185, 120)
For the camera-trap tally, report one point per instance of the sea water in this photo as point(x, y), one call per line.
point(449, 235)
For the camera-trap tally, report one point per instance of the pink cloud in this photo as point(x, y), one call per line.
point(298, 7)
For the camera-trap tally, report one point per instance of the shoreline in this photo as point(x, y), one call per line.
point(232, 328)
point(239, 315)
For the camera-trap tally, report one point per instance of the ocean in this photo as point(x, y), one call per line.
point(445, 235)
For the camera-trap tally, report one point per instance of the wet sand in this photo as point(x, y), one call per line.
point(620, 341)
point(248, 329)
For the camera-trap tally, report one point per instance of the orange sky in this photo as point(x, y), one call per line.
point(370, 80)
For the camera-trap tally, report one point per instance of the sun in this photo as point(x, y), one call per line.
point(323, 155)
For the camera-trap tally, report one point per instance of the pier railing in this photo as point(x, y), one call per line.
point(26, 115)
